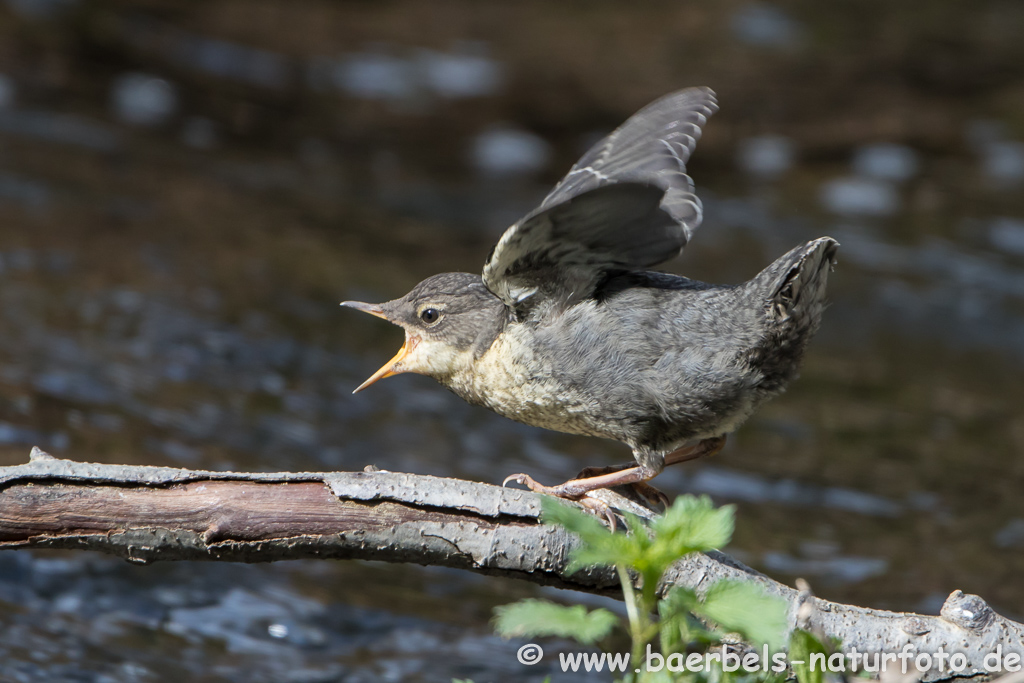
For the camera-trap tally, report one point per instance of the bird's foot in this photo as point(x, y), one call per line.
point(573, 489)
point(642, 490)
point(568, 492)
point(593, 486)
point(602, 510)
point(596, 492)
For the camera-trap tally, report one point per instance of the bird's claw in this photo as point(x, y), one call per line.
point(652, 495)
point(601, 509)
point(535, 485)
point(523, 479)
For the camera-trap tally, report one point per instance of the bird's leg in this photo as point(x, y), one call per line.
point(703, 449)
point(641, 488)
point(577, 488)
point(620, 475)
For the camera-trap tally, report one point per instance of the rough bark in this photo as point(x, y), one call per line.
point(145, 514)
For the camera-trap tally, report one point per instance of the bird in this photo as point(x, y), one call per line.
point(568, 329)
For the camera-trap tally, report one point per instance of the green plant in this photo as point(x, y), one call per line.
point(682, 622)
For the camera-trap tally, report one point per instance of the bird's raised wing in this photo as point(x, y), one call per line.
point(627, 203)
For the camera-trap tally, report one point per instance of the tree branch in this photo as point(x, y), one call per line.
point(145, 514)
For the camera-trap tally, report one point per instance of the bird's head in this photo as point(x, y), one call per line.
point(449, 319)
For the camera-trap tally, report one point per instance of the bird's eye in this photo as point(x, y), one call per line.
point(430, 315)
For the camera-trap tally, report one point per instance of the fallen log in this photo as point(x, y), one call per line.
point(148, 514)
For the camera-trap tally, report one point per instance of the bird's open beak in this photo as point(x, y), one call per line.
point(392, 367)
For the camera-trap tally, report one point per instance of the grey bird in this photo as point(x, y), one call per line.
point(566, 329)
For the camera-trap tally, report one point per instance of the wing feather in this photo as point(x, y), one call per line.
point(626, 204)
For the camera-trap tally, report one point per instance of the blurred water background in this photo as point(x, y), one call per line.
point(187, 190)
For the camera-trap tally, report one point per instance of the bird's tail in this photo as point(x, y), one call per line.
point(792, 292)
point(795, 283)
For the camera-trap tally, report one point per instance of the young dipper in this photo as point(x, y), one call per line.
point(567, 330)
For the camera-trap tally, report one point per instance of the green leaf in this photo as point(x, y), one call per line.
point(691, 524)
point(694, 525)
point(616, 549)
point(663, 676)
point(589, 528)
point(543, 618)
point(599, 546)
point(744, 607)
point(679, 600)
point(801, 646)
point(675, 611)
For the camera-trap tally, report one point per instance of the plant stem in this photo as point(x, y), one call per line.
point(630, 600)
point(638, 630)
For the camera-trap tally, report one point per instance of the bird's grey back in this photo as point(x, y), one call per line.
point(673, 359)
